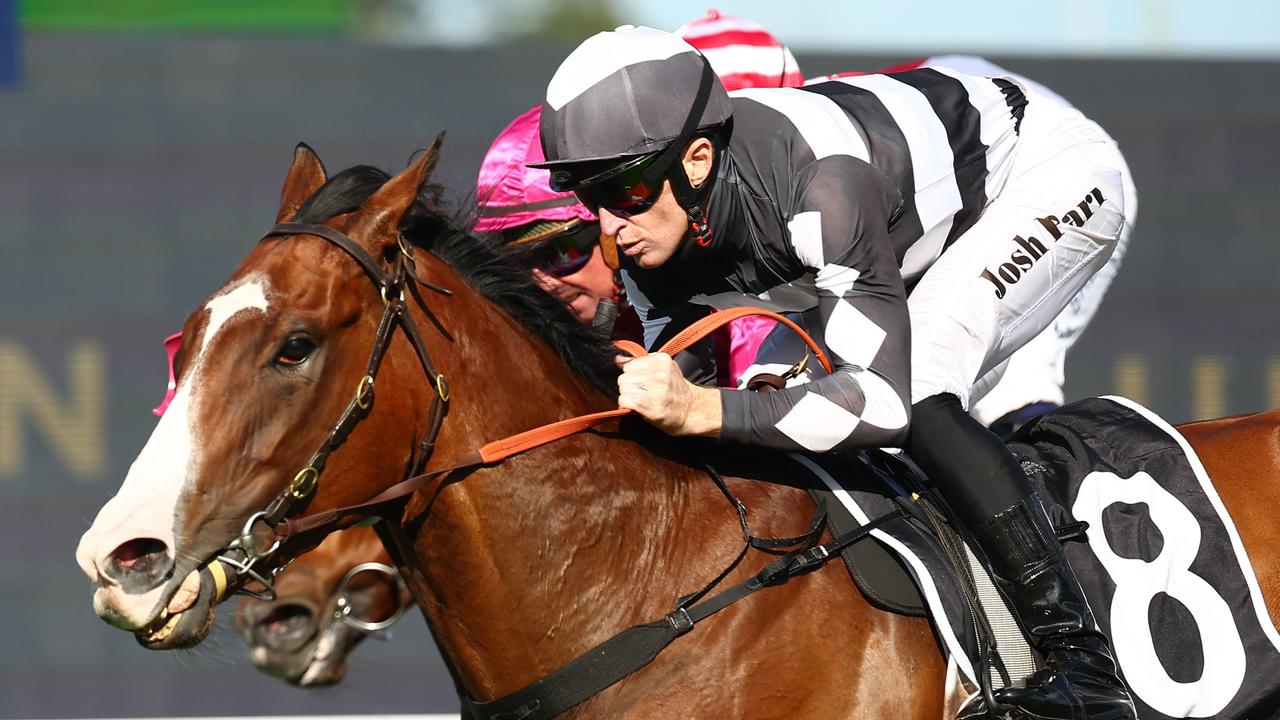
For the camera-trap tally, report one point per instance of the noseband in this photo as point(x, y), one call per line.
point(240, 557)
point(585, 675)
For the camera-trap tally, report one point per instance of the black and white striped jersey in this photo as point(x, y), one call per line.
point(829, 200)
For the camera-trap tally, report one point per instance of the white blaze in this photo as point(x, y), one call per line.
point(146, 506)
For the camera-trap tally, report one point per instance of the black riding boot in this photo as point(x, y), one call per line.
point(1030, 568)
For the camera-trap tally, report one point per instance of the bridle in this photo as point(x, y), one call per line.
point(585, 675)
point(344, 608)
point(234, 566)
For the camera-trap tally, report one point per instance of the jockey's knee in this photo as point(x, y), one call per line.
point(970, 466)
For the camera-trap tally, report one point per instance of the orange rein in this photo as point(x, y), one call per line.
point(499, 450)
point(514, 445)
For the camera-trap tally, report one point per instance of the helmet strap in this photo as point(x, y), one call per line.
point(699, 226)
point(693, 198)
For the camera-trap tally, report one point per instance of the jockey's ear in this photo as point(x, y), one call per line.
point(305, 177)
point(377, 222)
point(699, 159)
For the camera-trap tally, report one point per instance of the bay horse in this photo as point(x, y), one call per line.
point(518, 567)
point(284, 636)
point(326, 604)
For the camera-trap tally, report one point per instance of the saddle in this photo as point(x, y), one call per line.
point(919, 564)
point(1154, 549)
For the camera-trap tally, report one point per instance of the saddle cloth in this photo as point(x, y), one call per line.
point(1162, 564)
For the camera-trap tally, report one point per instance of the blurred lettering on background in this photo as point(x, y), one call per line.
point(1208, 387)
point(73, 424)
point(8, 43)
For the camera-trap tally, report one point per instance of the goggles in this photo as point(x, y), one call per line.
point(629, 190)
point(566, 252)
point(624, 190)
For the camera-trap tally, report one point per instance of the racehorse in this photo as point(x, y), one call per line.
point(330, 600)
point(284, 636)
point(520, 566)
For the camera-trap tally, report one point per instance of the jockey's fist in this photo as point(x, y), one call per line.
point(654, 387)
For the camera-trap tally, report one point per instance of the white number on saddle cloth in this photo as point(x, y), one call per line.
point(1137, 583)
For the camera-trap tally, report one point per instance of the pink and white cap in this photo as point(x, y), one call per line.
point(511, 194)
point(742, 53)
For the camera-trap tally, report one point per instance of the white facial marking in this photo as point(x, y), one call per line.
point(245, 296)
point(146, 506)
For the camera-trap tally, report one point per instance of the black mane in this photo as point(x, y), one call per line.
point(443, 232)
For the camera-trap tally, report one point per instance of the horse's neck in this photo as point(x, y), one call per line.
point(520, 566)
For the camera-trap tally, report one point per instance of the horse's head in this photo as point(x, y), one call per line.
point(268, 365)
point(327, 602)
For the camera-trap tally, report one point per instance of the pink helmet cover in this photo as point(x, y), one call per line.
point(511, 194)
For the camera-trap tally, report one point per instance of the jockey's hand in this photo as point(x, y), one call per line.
point(654, 387)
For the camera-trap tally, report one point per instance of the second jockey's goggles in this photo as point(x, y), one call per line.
point(568, 251)
point(554, 247)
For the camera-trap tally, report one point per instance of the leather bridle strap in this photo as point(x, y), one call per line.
point(499, 450)
point(395, 314)
point(357, 253)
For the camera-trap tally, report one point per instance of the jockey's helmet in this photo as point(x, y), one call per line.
point(619, 112)
point(516, 203)
point(742, 53)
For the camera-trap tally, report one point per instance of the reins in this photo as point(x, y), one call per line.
point(235, 565)
point(608, 662)
point(498, 450)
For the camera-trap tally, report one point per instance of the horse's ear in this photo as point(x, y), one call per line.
point(305, 177)
point(380, 216)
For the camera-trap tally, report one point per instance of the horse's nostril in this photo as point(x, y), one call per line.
point(286, 627)
point(139, 565)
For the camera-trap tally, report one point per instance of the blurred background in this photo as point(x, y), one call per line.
point(142, 146)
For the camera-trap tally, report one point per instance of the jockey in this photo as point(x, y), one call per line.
point(1032, 379)
point(559, 237)
point(991, 204)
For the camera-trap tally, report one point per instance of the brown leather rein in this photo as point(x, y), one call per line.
point(234, 566)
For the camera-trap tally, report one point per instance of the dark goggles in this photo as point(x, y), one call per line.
point(627, 189)
point(566, 253)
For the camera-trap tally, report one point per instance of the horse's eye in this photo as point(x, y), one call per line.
point(295, 350)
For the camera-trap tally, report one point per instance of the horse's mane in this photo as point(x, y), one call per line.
point(440, 230)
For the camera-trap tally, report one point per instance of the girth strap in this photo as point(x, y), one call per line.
point(637, 646)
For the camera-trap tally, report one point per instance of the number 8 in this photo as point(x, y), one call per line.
point(1137, 582)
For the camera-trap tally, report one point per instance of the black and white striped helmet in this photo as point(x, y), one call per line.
point(622, 94)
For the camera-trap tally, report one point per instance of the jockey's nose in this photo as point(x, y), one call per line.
point(138, 565)
point(610, 224)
